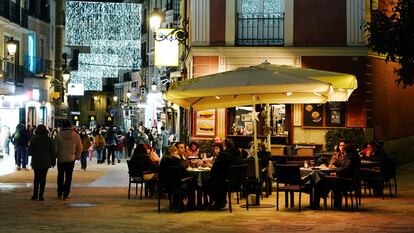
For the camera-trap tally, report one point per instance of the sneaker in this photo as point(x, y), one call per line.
point(112, 164)
point(119, 161)
point(34, 197)
point(19, 168)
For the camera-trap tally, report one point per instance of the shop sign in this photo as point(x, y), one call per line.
point(166, 51)
point(55, 95)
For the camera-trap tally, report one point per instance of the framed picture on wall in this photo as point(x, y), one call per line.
point(335, 114)
point(313, 115)
point(205, 123)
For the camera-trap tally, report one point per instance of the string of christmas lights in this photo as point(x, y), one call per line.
point(128, 51)
point(88, 21)
point(105, 63)
point(92, 80)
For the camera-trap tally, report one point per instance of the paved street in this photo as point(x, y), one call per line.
point(105, 186)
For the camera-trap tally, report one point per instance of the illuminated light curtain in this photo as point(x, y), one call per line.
point(270, 7)
point(88, 21)
point(128, 51)
point(105, 63)
point(92, 80)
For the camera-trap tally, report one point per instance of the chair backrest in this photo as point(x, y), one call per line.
point(170, 176)
point(287, 174)
point(251, 167)
point(297, 163)
point(237, 174)
point(133, 169)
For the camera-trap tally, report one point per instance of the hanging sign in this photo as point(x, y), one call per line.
point(166, 51)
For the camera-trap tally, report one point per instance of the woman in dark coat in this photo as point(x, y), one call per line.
point(43, 157)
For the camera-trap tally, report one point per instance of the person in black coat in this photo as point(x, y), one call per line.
point(43, 157)
point(219, 174)
point(172, 159)
point(143, 162)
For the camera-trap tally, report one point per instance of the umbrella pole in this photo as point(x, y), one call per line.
point(269, 143)
point(256, 159)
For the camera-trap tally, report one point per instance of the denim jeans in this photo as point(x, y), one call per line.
point(21, 156)
point(64, 178)
point(99, 155)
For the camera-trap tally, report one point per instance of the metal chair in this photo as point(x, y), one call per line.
point(236, 182)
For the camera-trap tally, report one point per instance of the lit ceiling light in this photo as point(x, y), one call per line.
point(218, 97)
point(318, 94)
point(288, 93)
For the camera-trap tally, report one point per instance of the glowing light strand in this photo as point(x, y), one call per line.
point(92, 80)
point(88, 21)
point(106, 63)
point(128, 51)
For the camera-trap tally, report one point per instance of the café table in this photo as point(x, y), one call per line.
point(199, 174)
point(314, 175)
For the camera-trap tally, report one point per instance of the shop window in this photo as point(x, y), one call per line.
point(240, 120)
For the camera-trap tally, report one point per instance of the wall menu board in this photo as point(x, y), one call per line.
point(335, 114)
point(313, 115)
point(331, 114)
point(205, 122)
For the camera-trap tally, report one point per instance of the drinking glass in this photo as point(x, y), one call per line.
point(305, 164)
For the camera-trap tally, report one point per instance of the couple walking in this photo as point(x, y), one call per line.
point(65, 147)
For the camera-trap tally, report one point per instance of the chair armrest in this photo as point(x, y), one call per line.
point(187, 179)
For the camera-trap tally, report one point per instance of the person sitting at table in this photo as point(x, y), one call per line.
point(347, 167)
point(172, 158)
point(142, 160)
point(219, 173)
point(155, 159)
point(340, 152)
point(193, 152)
point(181, 153)
point(243, 152)
point(217, 149)
point(373, 152)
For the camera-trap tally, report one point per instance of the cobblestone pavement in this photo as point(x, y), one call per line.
point(105, 186)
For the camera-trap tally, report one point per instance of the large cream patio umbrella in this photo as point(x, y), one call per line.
point(264, 83)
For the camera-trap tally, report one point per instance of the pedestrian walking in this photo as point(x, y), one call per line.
point(111, 141)
point(99, 145)
point(43, 157)
point(68, 148)
point(20, 140)
point(86, 143)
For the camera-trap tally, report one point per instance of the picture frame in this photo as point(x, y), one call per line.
point(205, 123)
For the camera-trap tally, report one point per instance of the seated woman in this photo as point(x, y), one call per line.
point(339, 152)
point(373, 152)
point(155, 159)
point(193, 152)
point(142, 160)
point(171, 158)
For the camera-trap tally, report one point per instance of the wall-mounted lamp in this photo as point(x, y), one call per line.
point(66, 75)
point(128, 94)
point(179, 34)
point(96, 98)
point(153, 86)
point(115, 98)
point(11, 49)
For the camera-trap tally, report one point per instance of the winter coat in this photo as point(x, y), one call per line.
point(43, 152)
point(68, 146)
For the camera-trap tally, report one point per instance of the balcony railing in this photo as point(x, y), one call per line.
point(37, 65)
point(13, 73)
point(260, 29)
point(13, 12)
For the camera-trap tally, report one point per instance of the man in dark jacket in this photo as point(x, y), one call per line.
point(20, 141)
point(219, 174)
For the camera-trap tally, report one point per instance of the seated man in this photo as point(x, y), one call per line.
point(347, 167)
